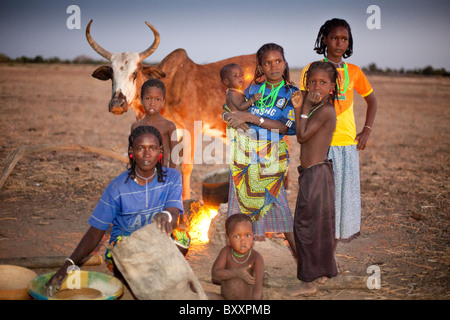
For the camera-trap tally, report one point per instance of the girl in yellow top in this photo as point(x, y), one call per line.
point(335, 42)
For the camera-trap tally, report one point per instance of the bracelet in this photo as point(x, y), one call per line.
point(368, 128)
point(70, 260)
point(168, 214)
point(304, 116)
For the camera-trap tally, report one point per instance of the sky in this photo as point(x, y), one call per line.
point(411, 34)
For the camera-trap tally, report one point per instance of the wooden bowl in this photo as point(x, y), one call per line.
point(14, 281)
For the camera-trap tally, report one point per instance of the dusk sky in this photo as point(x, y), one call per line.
point(413, 34)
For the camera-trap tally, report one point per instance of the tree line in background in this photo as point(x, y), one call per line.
point(39, 59)
point(427, 71)
point(370, 69)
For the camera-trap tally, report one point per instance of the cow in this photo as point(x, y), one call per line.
point(194, 92)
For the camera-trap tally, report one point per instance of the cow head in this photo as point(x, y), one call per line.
point(127, 74)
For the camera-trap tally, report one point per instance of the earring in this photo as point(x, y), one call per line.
point(131, 156)
point(160, 158)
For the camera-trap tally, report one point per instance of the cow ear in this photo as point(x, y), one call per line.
point(153, 72)
point(103, 73)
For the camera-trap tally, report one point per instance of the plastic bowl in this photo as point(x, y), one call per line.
point(14, 281)
point(110, 287)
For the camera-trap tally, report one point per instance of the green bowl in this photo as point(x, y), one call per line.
point(110, 287)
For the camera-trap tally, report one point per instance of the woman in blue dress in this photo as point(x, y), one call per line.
point(146, 193)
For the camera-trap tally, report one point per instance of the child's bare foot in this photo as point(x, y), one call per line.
point(304, 288)
point(321, 280)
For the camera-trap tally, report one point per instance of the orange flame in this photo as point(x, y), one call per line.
point(199, 224)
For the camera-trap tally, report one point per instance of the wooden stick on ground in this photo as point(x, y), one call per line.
point(49, 262)
point(414, 264)
point(21, 152)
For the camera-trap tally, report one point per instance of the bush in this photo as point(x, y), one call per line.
point(427, 71)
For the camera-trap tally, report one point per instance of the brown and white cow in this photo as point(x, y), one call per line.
point(193, 92)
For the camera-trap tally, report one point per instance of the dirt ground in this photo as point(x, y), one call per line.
point(49, 196)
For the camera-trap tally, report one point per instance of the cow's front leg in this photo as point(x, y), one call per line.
point(186, 169)
point(187, 164)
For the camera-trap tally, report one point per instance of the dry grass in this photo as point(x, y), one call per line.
point(46, 201)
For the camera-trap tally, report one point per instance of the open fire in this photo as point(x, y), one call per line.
point(215, 188)
point(199, 222)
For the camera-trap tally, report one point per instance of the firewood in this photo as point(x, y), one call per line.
point(48, 262)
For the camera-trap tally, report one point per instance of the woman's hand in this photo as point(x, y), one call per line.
point(88, 243)
point(54, 284)
point(237, 120)
point(162, 222)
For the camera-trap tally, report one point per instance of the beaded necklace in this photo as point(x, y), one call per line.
point(346, 80)
point(146, 182)
point(313, 110)
point(241, 262)
point(269, 101)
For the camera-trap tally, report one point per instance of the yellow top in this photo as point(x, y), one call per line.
point(345, 132)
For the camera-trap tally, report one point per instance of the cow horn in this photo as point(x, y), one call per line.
point(104, 53)
point(154, 46)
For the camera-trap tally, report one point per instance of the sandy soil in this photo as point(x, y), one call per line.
point(48, 198)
